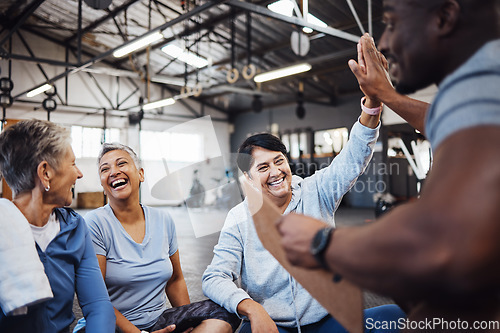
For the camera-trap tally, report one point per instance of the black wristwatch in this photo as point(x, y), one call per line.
point(320, 243)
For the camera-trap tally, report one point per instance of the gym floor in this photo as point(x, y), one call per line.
point(196, 252)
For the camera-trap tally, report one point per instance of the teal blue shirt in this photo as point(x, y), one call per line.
point(136, 273)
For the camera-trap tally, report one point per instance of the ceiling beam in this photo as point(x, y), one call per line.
point(113, 13)
point(293, 20)
point(209, 24)
point(21, 19)
point(15, 5)
point(37, 60)
point(356, 17)
point(92, 110)
point(262, 51)
point(100, 57)
point(30, 51)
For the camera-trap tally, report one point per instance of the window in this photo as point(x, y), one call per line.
point(171, 146)
point(87, 141)
point(294, 145)
point(330, 141)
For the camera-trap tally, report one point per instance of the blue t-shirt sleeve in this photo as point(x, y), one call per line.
point(468, 97)
point(96, 233)
point(464, 102)
point(172, 235)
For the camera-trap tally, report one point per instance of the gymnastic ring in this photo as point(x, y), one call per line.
point(248, 71)
point(197, 90)
point(48, 107)
point(6, 85)
point(51, 92)
point(185, 91)
point(232, 75)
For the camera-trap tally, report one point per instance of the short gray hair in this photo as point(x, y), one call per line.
point(24, 145)
point(107, 147)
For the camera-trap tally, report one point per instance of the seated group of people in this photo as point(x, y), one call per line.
point(438, 255)
point(129, 251)
point(138, 263)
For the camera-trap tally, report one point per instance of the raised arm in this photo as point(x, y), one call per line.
point(371, 72)
point(333, 182)
point(444, 243)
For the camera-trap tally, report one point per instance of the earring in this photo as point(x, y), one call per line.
point(47, 188)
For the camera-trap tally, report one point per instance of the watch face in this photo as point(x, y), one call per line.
point(320, 240)
point(316, 240)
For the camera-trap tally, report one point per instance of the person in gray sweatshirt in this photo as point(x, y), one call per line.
point(270, 300)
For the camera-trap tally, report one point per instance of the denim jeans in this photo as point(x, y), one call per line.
point(383, 313)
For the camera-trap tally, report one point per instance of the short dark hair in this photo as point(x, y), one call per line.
point(262, 140)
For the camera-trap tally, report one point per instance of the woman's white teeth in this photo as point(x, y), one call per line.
point(277, 182)
point(118, 182)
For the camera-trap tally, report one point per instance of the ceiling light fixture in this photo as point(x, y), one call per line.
point(313, 20)
point(282, 72)
point(285, 7)
point(38, 90)
point(159, 104)
point(185, 56)
point(138, 44)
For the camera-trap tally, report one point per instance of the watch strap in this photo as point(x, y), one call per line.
point(320, 244)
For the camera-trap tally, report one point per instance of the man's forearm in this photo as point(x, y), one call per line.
point(411, 110)
point(389, 256)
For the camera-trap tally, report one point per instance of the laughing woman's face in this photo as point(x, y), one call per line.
point(119, 175)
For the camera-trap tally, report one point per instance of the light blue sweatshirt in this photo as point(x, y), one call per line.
point(240, 254)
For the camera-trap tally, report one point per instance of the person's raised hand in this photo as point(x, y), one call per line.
point(371, 70)
point(297, 233)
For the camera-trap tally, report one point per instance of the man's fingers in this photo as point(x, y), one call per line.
point(370, 53)
point(170, 328)
point(361, 60)
point(353, 65)
point(384, 61)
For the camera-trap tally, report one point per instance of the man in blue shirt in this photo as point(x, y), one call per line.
point(441, 252)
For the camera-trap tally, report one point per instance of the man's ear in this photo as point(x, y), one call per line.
point(45, 173)
point(447, 16)
point(141, 175)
